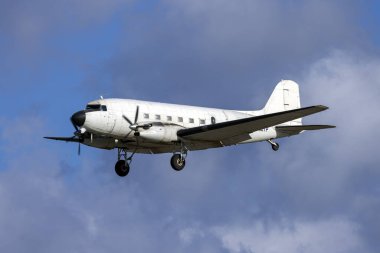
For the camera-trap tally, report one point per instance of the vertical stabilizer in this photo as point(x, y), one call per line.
point(285, 96)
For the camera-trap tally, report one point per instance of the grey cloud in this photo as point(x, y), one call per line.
point(220, 202)
point(320, 175)
point(25, 19)
point(31, 31)
point(315, 176)
point(200, 50)
point(45, 208)
point(225, 199)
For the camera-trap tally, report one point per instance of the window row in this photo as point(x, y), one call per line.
point(170, 118)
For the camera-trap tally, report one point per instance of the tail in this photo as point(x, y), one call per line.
point(285, 96)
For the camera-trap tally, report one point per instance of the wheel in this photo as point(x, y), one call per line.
point(275, 146)
point(177, 162)
point(121, 168)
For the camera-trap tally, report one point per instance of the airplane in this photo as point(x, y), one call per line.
point(134, 126)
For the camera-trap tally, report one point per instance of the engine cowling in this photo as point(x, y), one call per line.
point(159, 132)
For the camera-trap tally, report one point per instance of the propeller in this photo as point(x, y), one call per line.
point(78, 133)
point(134, 126)
point(79, 136)
point(75, 138)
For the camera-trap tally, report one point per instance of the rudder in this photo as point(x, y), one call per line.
point(285, 96)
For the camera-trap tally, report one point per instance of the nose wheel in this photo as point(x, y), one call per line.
point(121, 168)
point(123, 163)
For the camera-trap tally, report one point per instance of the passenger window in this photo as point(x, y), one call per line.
point(146, 115)
point(104, 108)
point(169, 118)
point(158, 117)
point(180, 119)
point(202, 121)
point(191, 120)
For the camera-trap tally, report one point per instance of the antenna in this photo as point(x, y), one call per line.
point(101, 97)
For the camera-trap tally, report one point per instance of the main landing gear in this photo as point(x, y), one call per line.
point(275, 145)
point(178, 161)
point(122, 165)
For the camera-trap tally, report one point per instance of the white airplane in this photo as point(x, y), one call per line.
point(134, 126)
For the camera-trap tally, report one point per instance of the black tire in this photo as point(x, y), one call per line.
point(177, 162)
point(276, 146)
point(121, 168)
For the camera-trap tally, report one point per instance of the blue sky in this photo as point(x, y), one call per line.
point(319, 193)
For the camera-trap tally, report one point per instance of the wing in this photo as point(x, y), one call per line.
point(228, 129)
point(67, 139)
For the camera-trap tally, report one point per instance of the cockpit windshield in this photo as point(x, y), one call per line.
point(96, 107)
point(93, 107)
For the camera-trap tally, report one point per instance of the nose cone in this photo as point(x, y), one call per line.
point(79, 118)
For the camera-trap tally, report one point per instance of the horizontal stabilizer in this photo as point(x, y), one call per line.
point(301, 128)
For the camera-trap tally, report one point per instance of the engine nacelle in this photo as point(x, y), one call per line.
point(160, 133)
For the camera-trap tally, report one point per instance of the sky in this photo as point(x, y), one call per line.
point(319, 193)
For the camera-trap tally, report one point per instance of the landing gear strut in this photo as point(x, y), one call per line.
point(275, 145)
point(122, 165)
point(178, 161)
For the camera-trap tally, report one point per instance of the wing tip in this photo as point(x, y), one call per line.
point(326, 126)
point(322, 107)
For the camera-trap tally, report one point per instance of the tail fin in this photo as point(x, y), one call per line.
point(284, 97)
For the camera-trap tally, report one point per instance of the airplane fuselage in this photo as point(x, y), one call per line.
point(104, 121)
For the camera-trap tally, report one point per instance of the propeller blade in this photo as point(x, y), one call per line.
point(126, 118)
point(67, 139)
point(133, 126)
point(128, 134)
point(137, 114)
point(78, 148)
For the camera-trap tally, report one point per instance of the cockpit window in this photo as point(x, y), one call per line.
point(93, 107)
point(96, 107)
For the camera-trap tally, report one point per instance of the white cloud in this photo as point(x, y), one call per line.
point(187, 234)
point(349, 83)
point(333, 235)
